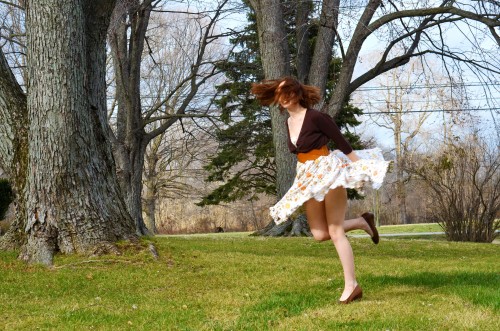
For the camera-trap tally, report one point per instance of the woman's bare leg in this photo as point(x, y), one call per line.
point(316, 217)
point(335, 208)
point(357, 224)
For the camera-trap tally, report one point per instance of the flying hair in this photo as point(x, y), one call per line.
point(269, 92)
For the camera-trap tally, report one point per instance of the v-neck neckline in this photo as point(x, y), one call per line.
point(300, 131)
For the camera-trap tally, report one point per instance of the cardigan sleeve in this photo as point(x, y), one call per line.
point(329, 128)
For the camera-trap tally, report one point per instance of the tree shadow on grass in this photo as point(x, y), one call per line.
point(281, 304)
point(480, 288)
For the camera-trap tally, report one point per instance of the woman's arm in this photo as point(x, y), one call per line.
point(353, 156)
point(330, 129)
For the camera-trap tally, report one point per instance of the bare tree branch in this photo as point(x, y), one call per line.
point(12, 4)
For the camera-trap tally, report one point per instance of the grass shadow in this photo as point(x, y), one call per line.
point(279, 305)
point(480, 288)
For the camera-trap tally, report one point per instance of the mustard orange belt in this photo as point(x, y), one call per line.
point(313, 154)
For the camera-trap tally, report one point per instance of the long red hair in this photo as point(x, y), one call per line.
point(268, 92)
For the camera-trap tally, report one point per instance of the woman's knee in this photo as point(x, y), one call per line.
point(320, 235)
point(336, 232)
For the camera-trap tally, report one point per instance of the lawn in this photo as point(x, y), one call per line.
point(236, 282)
point(407, 228)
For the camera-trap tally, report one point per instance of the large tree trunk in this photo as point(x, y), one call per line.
point(74, 204)
point(275, 60)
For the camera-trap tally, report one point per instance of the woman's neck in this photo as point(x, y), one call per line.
point(296, 110)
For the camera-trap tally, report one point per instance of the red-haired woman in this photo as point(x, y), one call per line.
point(322, 176)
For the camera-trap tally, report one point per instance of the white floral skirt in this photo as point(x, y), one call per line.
point(315, 178)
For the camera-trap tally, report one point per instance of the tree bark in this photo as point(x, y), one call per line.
point(74, 204)
point(13, 148)
point(303, 64)
point(318, 75)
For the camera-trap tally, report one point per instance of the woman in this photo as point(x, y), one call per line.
point(322, 175)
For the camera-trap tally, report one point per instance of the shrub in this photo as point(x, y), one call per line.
point(465, 188)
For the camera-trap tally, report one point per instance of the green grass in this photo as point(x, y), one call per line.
point(407, 228)
point(384, 229)
point(411, 228)
point(236, 282)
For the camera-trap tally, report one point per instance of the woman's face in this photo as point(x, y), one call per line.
point(286, 100)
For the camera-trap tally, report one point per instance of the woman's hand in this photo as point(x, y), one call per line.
point(353, 156)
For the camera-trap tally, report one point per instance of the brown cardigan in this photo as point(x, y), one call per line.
point(317, 129)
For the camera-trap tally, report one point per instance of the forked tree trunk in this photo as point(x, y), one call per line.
point(131, 141)
point(129, 156)
point(275, 59)
point(73, 199)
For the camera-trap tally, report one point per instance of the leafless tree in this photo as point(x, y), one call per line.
point(182, 65)
point(401, 103)
point(173, 168)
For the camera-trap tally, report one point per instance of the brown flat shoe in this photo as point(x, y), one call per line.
point(356, 294)
point(370, 219)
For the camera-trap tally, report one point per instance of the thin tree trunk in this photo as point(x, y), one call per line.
point(134, 194)
point(150, 185)
point(399, 167)
point(150, 207)
point(74, 204)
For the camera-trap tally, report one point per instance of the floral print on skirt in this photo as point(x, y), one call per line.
point(315, 178)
